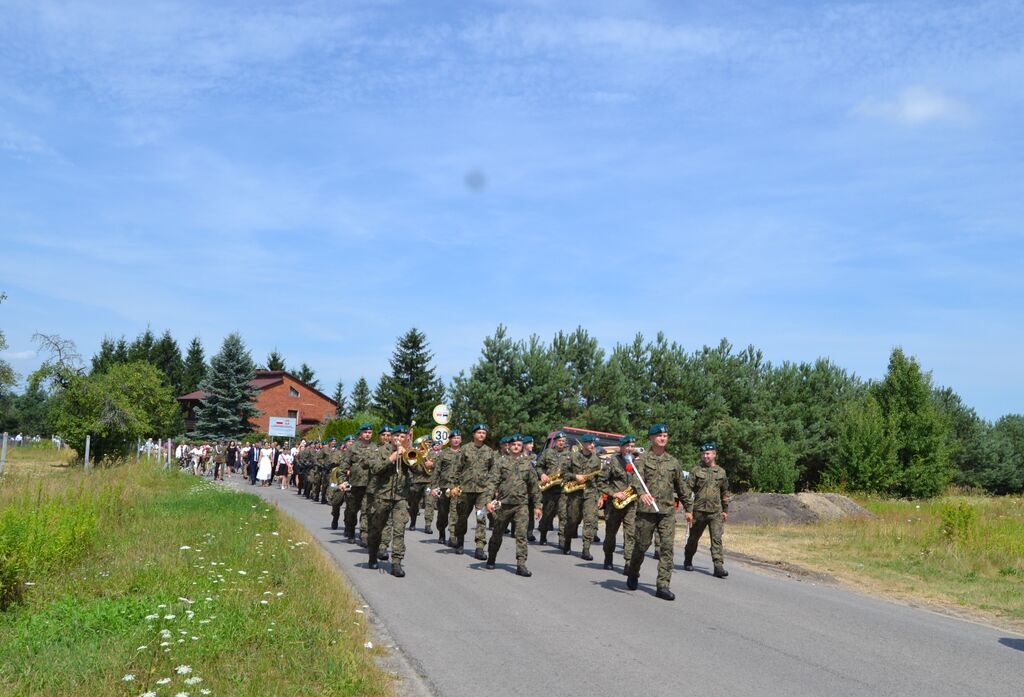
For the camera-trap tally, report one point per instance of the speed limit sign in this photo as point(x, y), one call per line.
point(440, 433)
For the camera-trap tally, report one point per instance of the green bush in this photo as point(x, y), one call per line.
point(959, 521)
point(775, 469)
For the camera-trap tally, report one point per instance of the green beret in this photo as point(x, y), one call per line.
point(386, 429)
point(480, 427)
point(560, 434)
point(504, 439)
point(365, 427)
point(627, 439)
point(588, 438)
point(527, 439)
point(455, 432)
point(515, 437)
point(399, 429)
point(710, 445)
point(346, 439)
point(656, 429)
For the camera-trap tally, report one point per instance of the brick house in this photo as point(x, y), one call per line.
point(278, 393)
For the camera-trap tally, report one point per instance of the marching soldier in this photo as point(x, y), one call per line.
point(664, 477)
point(615, 484)
point(531, 458)
point(553, 461)
point(581, 506)
point(384, 446)
point(709, 509)
point(474, 466)
point(442, 483)
point(358, 459)
point(301, 468)
point(337, 487)
point(390, 473)
point(513, 485)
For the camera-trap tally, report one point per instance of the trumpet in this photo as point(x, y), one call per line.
point(554, 480)
point(572, 486)
point(631, 496)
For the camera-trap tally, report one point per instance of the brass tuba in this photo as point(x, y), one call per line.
point(417, 455)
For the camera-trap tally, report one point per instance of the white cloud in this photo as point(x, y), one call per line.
point(18, 355)
point(916, 106)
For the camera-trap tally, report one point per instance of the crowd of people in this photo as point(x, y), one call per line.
point(384, 485)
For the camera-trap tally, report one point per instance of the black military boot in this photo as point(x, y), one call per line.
point(688, 564)
point(531, 537)
point(362, 540)
point(480, 554)
point(382, 554)
point(657, 553)
point(521, 570)
point(543, 538)
point(373, 562)
point(429, 530)
point(412, 523)
point(460, 545)
point(491, 558)
point(608, 561)
point(585, 555)
point(632, 582)
point(441, 537)
point(720, 571)
point(665, 594)
point(567, 546)
point(597, 539)
point(334, 522)
point(397, 570)
point(350, 535)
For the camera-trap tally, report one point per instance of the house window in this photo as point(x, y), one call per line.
point(292, 392)
point(293, 414)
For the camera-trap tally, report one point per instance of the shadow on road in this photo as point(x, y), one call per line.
point(619, 586)
point(1017, 644)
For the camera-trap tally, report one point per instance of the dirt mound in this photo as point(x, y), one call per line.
point(754, 509)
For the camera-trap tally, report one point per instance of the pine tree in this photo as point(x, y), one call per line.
point(230, 396)
point(142, 348)
point(360, 396)
point(195, 367)
point(166, 356)
point(275, 361)
point(305, 374)
point(412, 389)
point(492, 393)
point(339, 397)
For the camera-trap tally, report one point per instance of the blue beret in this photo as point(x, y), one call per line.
point(588, 438)
point(560, 434)
point(527, 439)
point(515, 437)
point(455, 432)
point(480, 427)
point(386, 429)
point(710, 445)
point(365, 427)
point(399, 429)
point(333, 439)
point(504, 439)
point(627, 439)
point(656, 429)
point(347, 439)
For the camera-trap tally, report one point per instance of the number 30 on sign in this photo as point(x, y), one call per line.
point(440, 433)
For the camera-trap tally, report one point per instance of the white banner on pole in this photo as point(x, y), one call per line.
point(281, 426)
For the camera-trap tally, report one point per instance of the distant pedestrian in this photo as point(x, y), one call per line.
point(265, 465)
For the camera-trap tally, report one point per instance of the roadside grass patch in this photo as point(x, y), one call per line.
point(180, 585)
point(956, 550)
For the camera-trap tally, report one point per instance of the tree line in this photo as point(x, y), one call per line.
point(780, 427)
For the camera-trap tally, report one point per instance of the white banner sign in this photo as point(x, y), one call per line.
point(441, 414)
point(281, 426)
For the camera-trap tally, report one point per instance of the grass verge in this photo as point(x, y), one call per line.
point(163, 583)
point(962, 552)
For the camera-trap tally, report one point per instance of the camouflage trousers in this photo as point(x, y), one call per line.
point(444, 520)
point(580, 508)
point(356, 501)
point(518, 517)
point(552, 505)
point(613, 520)
point(420, 497)
point(320, 487)
point(646, 525)
point(387, 527)
point(336, 497)
point(469, 503)
point(714, 523)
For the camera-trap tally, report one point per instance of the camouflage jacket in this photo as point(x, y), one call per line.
point(445, 469)
point(389, 481)
point(664, 477)
point(512, 481)
point(358, 457)
point(552, 461)
point(710, 487)
point(584, 463)
point(614, 478)
point(474, 466)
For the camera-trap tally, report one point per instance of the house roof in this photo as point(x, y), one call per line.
point(262, 380)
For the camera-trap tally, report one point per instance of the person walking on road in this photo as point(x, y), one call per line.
point(709, 509)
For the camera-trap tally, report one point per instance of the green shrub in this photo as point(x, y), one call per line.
point(959, 521)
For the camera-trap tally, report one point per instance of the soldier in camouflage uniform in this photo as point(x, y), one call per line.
point(709, 509)
point(613, 483)
point(581, 506)
point(477, 459)
point(553, 461)
point(512, 485)
point(664, 477)
point(390, 501)
point(531, 457)
point(357, 458)
point(442, 482)
point(307, 458)
point(420, 491)
point(315, 467)
point(384, 446)
point(337, 487)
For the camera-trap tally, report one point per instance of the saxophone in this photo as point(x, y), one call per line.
point(631, 496)
point(554, 480)
point(572, 486)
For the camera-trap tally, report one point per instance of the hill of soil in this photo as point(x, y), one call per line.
point(806, 507)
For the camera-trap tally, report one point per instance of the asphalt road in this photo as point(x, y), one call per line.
point(573, 628)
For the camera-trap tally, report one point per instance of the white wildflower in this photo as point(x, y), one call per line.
point(169, 617)
point(368, 645)
point(128, 678)
point(183, 670)
point(184, 547)
point(150, 618)
point(194, 680)
point(163, 681)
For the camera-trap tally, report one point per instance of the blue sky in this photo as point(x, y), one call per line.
point(817, 179)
